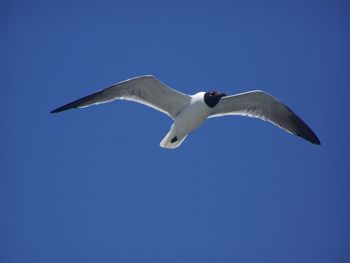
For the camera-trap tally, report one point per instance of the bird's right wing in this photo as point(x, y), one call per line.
point(261, 105)
point(146, 90)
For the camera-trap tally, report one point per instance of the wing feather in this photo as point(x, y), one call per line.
point(146, 90)
point(261, 105)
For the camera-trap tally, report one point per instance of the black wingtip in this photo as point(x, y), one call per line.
point(63, 108)
point(57, 110)
point(316, 141)
point(301, 129)
point(72, 105)
point(311, 137)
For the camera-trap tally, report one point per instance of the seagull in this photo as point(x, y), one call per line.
point(190, 111)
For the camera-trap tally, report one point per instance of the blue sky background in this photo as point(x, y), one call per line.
point(93, 185)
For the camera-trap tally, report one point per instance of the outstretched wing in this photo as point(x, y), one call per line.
point(261, 105)
point(146, 90)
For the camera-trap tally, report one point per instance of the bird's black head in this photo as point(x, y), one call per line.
point(211, 98)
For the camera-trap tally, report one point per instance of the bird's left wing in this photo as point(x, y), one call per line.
point(146, 90)
point(261, 105)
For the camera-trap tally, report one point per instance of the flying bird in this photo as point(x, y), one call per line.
point(190, 111)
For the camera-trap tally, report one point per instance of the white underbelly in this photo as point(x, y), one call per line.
point(191, 117)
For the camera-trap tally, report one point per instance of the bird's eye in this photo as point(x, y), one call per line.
point(211, 93)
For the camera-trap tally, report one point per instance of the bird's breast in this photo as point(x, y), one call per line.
point(192, 116)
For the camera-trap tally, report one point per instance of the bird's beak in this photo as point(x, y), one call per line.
point(223, 95)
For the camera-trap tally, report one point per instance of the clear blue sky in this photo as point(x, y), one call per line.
point(93, 185)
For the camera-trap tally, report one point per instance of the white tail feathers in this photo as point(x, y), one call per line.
point(173, 139)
